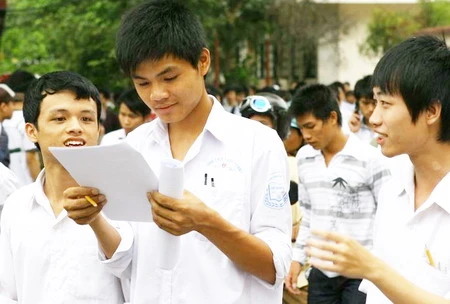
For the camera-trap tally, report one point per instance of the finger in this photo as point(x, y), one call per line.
point(84, 220)
point(162, 200)
point(75, 192)
point(83, 203)
point(317, 253)
point(324, 245)
point(329, 235)
point(166, 225)
point(86, 212)
point(160, 211)
point(324, 265)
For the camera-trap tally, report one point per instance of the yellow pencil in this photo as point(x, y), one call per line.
point(429, 256)
point(90, 200)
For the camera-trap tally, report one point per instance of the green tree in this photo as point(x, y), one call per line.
point(388, 28)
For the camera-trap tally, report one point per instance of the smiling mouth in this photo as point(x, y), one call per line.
point(74, 143)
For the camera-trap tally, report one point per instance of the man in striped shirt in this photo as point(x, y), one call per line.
point(339, 180)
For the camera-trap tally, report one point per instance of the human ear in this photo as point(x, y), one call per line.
point(433, 112)
point(32, 132)
point(204, 61)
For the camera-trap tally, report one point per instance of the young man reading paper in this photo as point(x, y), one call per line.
point(234, 221)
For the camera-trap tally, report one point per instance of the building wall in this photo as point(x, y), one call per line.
point(343, 61)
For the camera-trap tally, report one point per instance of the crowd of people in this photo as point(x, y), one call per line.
point(319, 194)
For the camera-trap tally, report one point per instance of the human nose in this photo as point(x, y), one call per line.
point(375, 118)
point(158, 92)
point(306, 135)
point(74, 125)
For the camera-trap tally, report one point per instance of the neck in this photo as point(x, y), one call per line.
point(336, 145)
point(430, 168)
point(57, 179)
point(194, 123)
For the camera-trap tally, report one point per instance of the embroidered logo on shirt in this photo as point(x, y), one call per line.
point(276, 196)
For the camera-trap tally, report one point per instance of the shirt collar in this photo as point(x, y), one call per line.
point(351, 148)
point(439, 195)
point(40, 198)
point(214, 124)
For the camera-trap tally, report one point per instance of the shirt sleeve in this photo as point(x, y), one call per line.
point(8, 183)
point(121, 258)
point(298, 253)
point(8, 290)
point(379, 174)
point(271, 212)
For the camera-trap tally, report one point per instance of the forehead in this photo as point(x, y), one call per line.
point(307, 118)
point(65, 101)
point(154, 67)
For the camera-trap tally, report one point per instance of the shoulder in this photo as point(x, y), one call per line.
point(113, 136)
point(143, 130)
point(306, 151)
point(18, 201)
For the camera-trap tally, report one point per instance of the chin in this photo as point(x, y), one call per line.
point(389, 152)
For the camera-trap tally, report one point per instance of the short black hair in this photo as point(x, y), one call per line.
point(156, 29)
point(363, 88)
point(315, 99)
point(20, 80)
point(132, 100)
point(53, 83)
point(418, 70)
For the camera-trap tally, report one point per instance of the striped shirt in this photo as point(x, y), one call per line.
point(341, 196)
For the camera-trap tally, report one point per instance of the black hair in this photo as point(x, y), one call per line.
point(105, 92)
point(132, 100)
point(156, 29)
point(5, 96)
point(20, 80)
point(363, 88)
point(315, 99)
point(418, 70)
point(53, 83)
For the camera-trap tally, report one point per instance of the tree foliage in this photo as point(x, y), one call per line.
point(388, 28)
point(79, 35)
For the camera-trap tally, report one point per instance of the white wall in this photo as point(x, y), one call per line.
point(344, 61)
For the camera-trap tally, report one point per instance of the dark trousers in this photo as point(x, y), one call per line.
point(338, 290)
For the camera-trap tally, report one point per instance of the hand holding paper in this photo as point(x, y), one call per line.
point(117, 171)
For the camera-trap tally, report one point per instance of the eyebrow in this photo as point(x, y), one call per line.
point(65, 111)
point(165, 71)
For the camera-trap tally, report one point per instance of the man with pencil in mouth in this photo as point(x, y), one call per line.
point(45, 257)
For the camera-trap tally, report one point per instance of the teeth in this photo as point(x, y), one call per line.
point(74, 143)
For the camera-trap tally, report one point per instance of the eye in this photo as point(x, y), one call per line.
point(143, 84)
point(170, 78)
point(59, 118)
point(87, 119)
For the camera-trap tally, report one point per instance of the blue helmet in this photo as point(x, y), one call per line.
point(269, 104)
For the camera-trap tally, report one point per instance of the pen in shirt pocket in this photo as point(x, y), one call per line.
point(206, 181)
point(429, 257)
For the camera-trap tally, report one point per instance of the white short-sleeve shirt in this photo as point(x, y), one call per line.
point(48, 259)
point(239, 168)
point(403, 234)
point(113, 137)
point(18, 145)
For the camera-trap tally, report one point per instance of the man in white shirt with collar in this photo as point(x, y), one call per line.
point(45, 257)
point(339, 181)
point(234, 220)
point(412, 251)
point(8, 184)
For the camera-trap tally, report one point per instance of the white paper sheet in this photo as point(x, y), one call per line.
point(119, 172)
